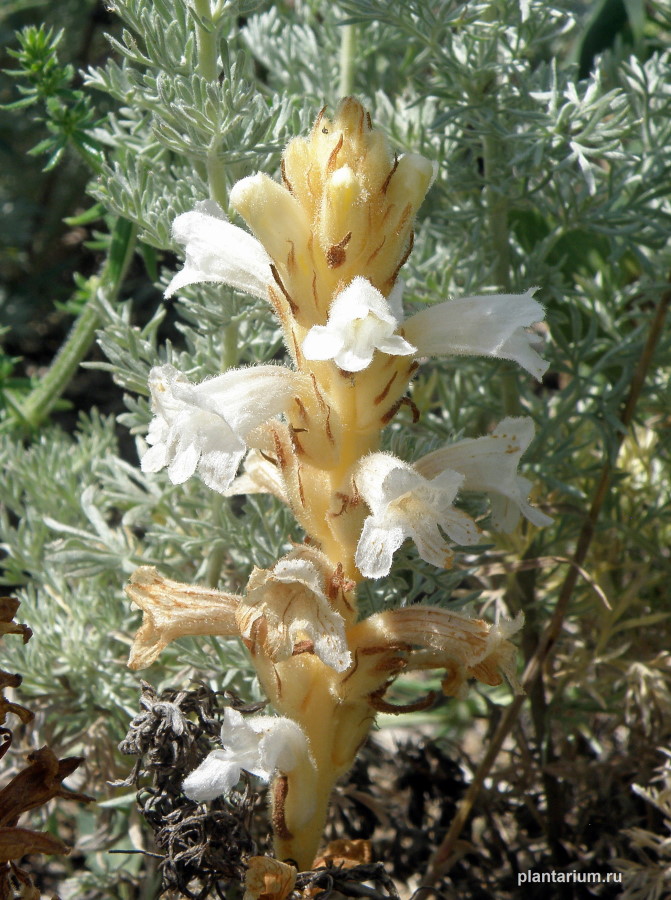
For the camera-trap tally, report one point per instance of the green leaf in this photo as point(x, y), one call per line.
point(92, 214)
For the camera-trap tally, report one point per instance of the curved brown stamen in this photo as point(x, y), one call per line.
point(280, 791)
point(379, 704)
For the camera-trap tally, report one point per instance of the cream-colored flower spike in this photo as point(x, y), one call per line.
point(326, 247)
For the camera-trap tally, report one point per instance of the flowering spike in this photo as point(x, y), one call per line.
point(329, 242)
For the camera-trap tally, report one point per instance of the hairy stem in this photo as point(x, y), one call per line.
point(347, 60)
point(206, 42)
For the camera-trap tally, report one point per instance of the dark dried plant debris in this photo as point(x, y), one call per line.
point(369, 880)
point(203, 847)
point(40, 781)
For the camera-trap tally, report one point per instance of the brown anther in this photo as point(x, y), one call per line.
point(282, 460)
point(301, 493)
point(362, 120)
point(387, 214)
point(376, 251)
point(404, 258)
point(301, 408)
point(385, 184)
point(303, 647)
point(280, 791)
point(324, 408)
point(379, 704)
point(369, 121)
point(287, 183)
point(278, 280)
point(405, 215)
point(413, 406)
point(380, 397)
point(295, 441)
point(318, 120)
point(336, 255)
point(315, 296)
point(391, 412)
point(318, 393)
point(258, 634)
point(338, 582)
point(352, 668)
point(277, 304)
point(327, 427)
point(347, 503)
point(297, 350)
point(331, 164)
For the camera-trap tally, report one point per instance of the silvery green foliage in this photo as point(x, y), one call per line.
point(543, 180)
point(172, 120)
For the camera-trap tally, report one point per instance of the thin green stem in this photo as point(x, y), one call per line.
point(217, 553)
point(207, 46)
point(43, 398)
point(347, 60)
point(215, 175)
point(497, 217)
point(206, 42)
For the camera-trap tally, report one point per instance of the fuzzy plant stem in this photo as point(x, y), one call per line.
point(347, 60)
point(207, 48)
point(442, 858)
point(43, 398)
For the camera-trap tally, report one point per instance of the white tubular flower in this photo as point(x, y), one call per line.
point(261, 745)
point(480, 326)
point(489, 464)
point(290, 599)
point(404, 504)
point(360, 322)
point(217, 251)
point(204, 426)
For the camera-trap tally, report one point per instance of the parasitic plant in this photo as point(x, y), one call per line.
point(326, 250)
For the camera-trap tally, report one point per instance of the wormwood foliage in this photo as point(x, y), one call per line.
point(544, 178)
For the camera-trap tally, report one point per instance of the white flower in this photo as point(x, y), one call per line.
point(290, 599)
point(217, 251)
point(360, 321)
point(205, 426)
point(261, 745)
point(490, 464)
point(480, 326)
point(404, 504)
